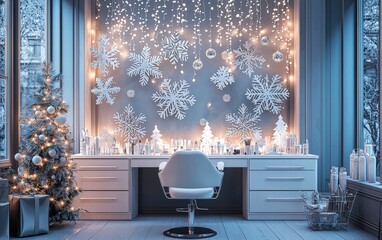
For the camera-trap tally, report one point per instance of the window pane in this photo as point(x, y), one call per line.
point(3, 124)
point(32, 48)
point(372, 67)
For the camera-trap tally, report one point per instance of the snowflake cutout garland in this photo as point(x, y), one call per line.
point(173, 99)
point(247, 59)
point(267, 94)
point(144, 65)
point(222, 78)
point(175, 49)
point(129, 125)
point(104, 91)
point(105, 55)
point(243, 124)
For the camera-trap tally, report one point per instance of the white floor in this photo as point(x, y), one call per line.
point(227, 226)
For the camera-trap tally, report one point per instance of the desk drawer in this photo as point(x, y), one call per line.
point(282, 165)
point(282, 180)
point(102, 165)
point(103, 180)
point(276, 201)
point(103, 201)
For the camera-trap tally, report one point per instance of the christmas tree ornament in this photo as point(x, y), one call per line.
point(44, 182)
point(247, 59)
point(226, 98)
point(50, 109)
point(53, 177)
point(156, 141)
point(202, 122)
point(60, 120)
point(130, 93)
point(207, 137)
point(52, 152)
point(267, 94)
point(105, 55)
point(129, 125)
point(265, 41)
point(144, 65)
point(175, 49)
point(37, 160)
point(104, 90)
point(242, 124)
point(280, 134)
point(18, 157)
point(63, 159)
point(22, 171)
point(42, 137)
point(210, 53)
point(277, 56)
point(51, 127)
point(222, 78)
point(38, 113)
point(197, 64)
point(173, 99)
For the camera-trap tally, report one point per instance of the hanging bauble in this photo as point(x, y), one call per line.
point(60, 120)
point(41, 137)
point(18, 157)
point(38, 113)
point(52, 152)
point(202, 122)
point(51, 109)
point(37, 160)
point(63, 159)
point(265, 41)
point(197, 64)
point(210, 53)
point(277, 56)
point(225, 55)
point(226, 97)
point(22, 171)
point(53, 177)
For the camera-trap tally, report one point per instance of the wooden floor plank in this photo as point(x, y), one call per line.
point(302, 229)
point(231, 227)
point(282, 231)
point(256, 230)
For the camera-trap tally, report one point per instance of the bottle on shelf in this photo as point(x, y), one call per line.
point(334, 180)
point(361, 166)
point(371, 168)
point(342, 179)
point(351, 163)
point(355, 166)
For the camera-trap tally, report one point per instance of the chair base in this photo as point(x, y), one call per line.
point(182, 232)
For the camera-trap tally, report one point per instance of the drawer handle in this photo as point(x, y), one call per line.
point(98, 177)
point(284, 167)
point(101, 198)
point(286, 178)
point(284, 199)
point(113, 167)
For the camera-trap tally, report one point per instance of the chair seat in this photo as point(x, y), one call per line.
point(191, 193)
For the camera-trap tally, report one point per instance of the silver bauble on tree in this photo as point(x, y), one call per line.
point(18, 157)
point(51, 109)
point(37, 160)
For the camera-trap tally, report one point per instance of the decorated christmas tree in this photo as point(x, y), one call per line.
point(44, 154)
point(280, 134)
point(207, 139)
point(156, 140)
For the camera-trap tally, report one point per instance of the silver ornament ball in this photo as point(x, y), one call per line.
point(52, 152)
point(37, 160)
point(51, 109)
point(197, 64)
point(18, 157)
point(210, 53)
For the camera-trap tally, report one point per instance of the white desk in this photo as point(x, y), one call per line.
point(271, 184)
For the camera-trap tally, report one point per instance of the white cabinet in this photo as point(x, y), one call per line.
point(274, 186)
point(106, 185)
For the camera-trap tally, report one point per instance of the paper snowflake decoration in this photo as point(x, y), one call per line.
point(104, 91)
point(173, 99)
point(129, 125)
point(144, 65)
point(246, 59)
point(222, 78)
point(267, 94)
point(242, 124)
point(175, 49)
point(105, 55)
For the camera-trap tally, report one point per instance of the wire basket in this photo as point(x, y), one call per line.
point(328, 211)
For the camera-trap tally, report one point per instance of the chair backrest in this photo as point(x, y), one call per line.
point(190, 169)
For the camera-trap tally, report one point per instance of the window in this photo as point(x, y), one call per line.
point(3, 80)
point(371, 73)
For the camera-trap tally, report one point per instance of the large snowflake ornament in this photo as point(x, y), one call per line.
point(104, 90)
point(173, 99)
point(246, 59)
point(175, 49)
point(105, 55)
point(222, 78)
point(129, 125)
point(267, 94)
point(242, 124)
point(144, 65)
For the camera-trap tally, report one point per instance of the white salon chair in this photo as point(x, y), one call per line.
point(190, 175)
